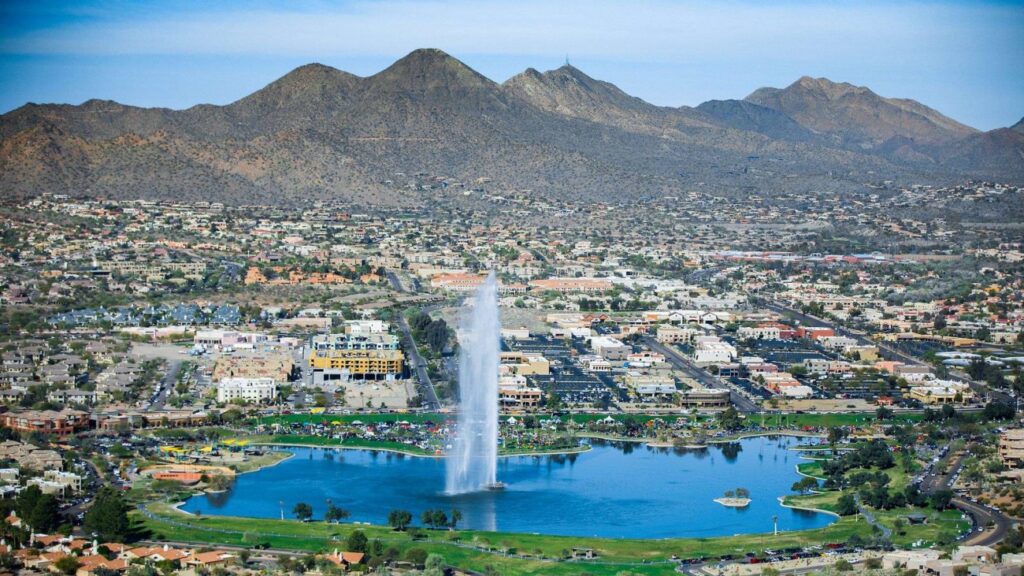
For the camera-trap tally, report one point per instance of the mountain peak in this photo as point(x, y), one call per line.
point(426, 69)
point(1019, 126)
point(857, 116)
point(828, 88)
point(306, 86)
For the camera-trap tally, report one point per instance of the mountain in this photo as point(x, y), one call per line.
point(857, 117)
point(743, 115)
point(1019, 126)
point(320, 133)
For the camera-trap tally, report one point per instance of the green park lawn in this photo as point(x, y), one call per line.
point(812, 468)
point(822, 420)
point(527, 554)
point(323, 442)
point(349, 418)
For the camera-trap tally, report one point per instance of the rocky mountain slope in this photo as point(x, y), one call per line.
point(320, 133)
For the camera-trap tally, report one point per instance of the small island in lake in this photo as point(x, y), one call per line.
point(739, 498)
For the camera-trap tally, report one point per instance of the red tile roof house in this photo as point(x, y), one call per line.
point(212, 558)
point(157, 554)
point(346, 559)
point(89, 564)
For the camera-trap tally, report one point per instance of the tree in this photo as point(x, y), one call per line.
point(45, 515)
point(25, 504)
point(357, 542)
point(835, 436)
point(416, 556)
point(553, 402)
point(440, 519)
point(67, 565)
point(998, 411)
point(108, 517)
point(399, 519)
point(883, 413)
point(729, 419)
point(427, 518)
point(434, 565)
point(804, 485)
point(846, 505)
point(941, 499)
point(454, 519)
point(335, 514)
point(303, 511)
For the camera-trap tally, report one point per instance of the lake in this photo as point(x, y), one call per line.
point(613, 490)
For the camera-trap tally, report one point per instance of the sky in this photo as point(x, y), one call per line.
point(961, 57)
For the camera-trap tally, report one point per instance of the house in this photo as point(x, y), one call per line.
point(975, 554)
point(72, 396)
point(909, 559)
point(345, 559)
point(1011, 447)
point(209, 559)
point(61, 424)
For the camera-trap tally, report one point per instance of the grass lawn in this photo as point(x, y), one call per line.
point(349, 418)
point(322, 442)
point(477, 550)
point(830, 420)
point(817, 501)
point(811, 469)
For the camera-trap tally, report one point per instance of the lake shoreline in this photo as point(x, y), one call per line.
point(564, 451)
point(251, 500)
point(559, 452)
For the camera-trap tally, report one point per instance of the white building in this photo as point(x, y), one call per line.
point(610, 348)
point(766, 332)
point(711, 350)
point(254, 390)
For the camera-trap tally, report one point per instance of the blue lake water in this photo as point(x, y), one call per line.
point(620, 490)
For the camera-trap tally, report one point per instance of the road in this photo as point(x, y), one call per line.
point(430, 400)
point(888, 352)
point(983, 515)
point(166, 385)
point(861, 338)
point(705, 378)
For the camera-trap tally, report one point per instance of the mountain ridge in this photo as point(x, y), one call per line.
point(320, 132)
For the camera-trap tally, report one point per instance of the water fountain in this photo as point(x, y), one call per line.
point(472, 462)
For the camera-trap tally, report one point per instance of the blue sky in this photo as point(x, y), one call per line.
point(960, 57)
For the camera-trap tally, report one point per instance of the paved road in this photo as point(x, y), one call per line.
point(166, 385)
point(419, 365)
point(681, 362)
point(860, 337)
point(983, 515)
point(870, 517)
point(430, 399)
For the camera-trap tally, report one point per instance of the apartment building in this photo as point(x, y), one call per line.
point(251, 390)
point(331, 365)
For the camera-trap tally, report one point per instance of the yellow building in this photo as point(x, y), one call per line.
point(526, 363)
point(364, 364)
point(943, 393)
